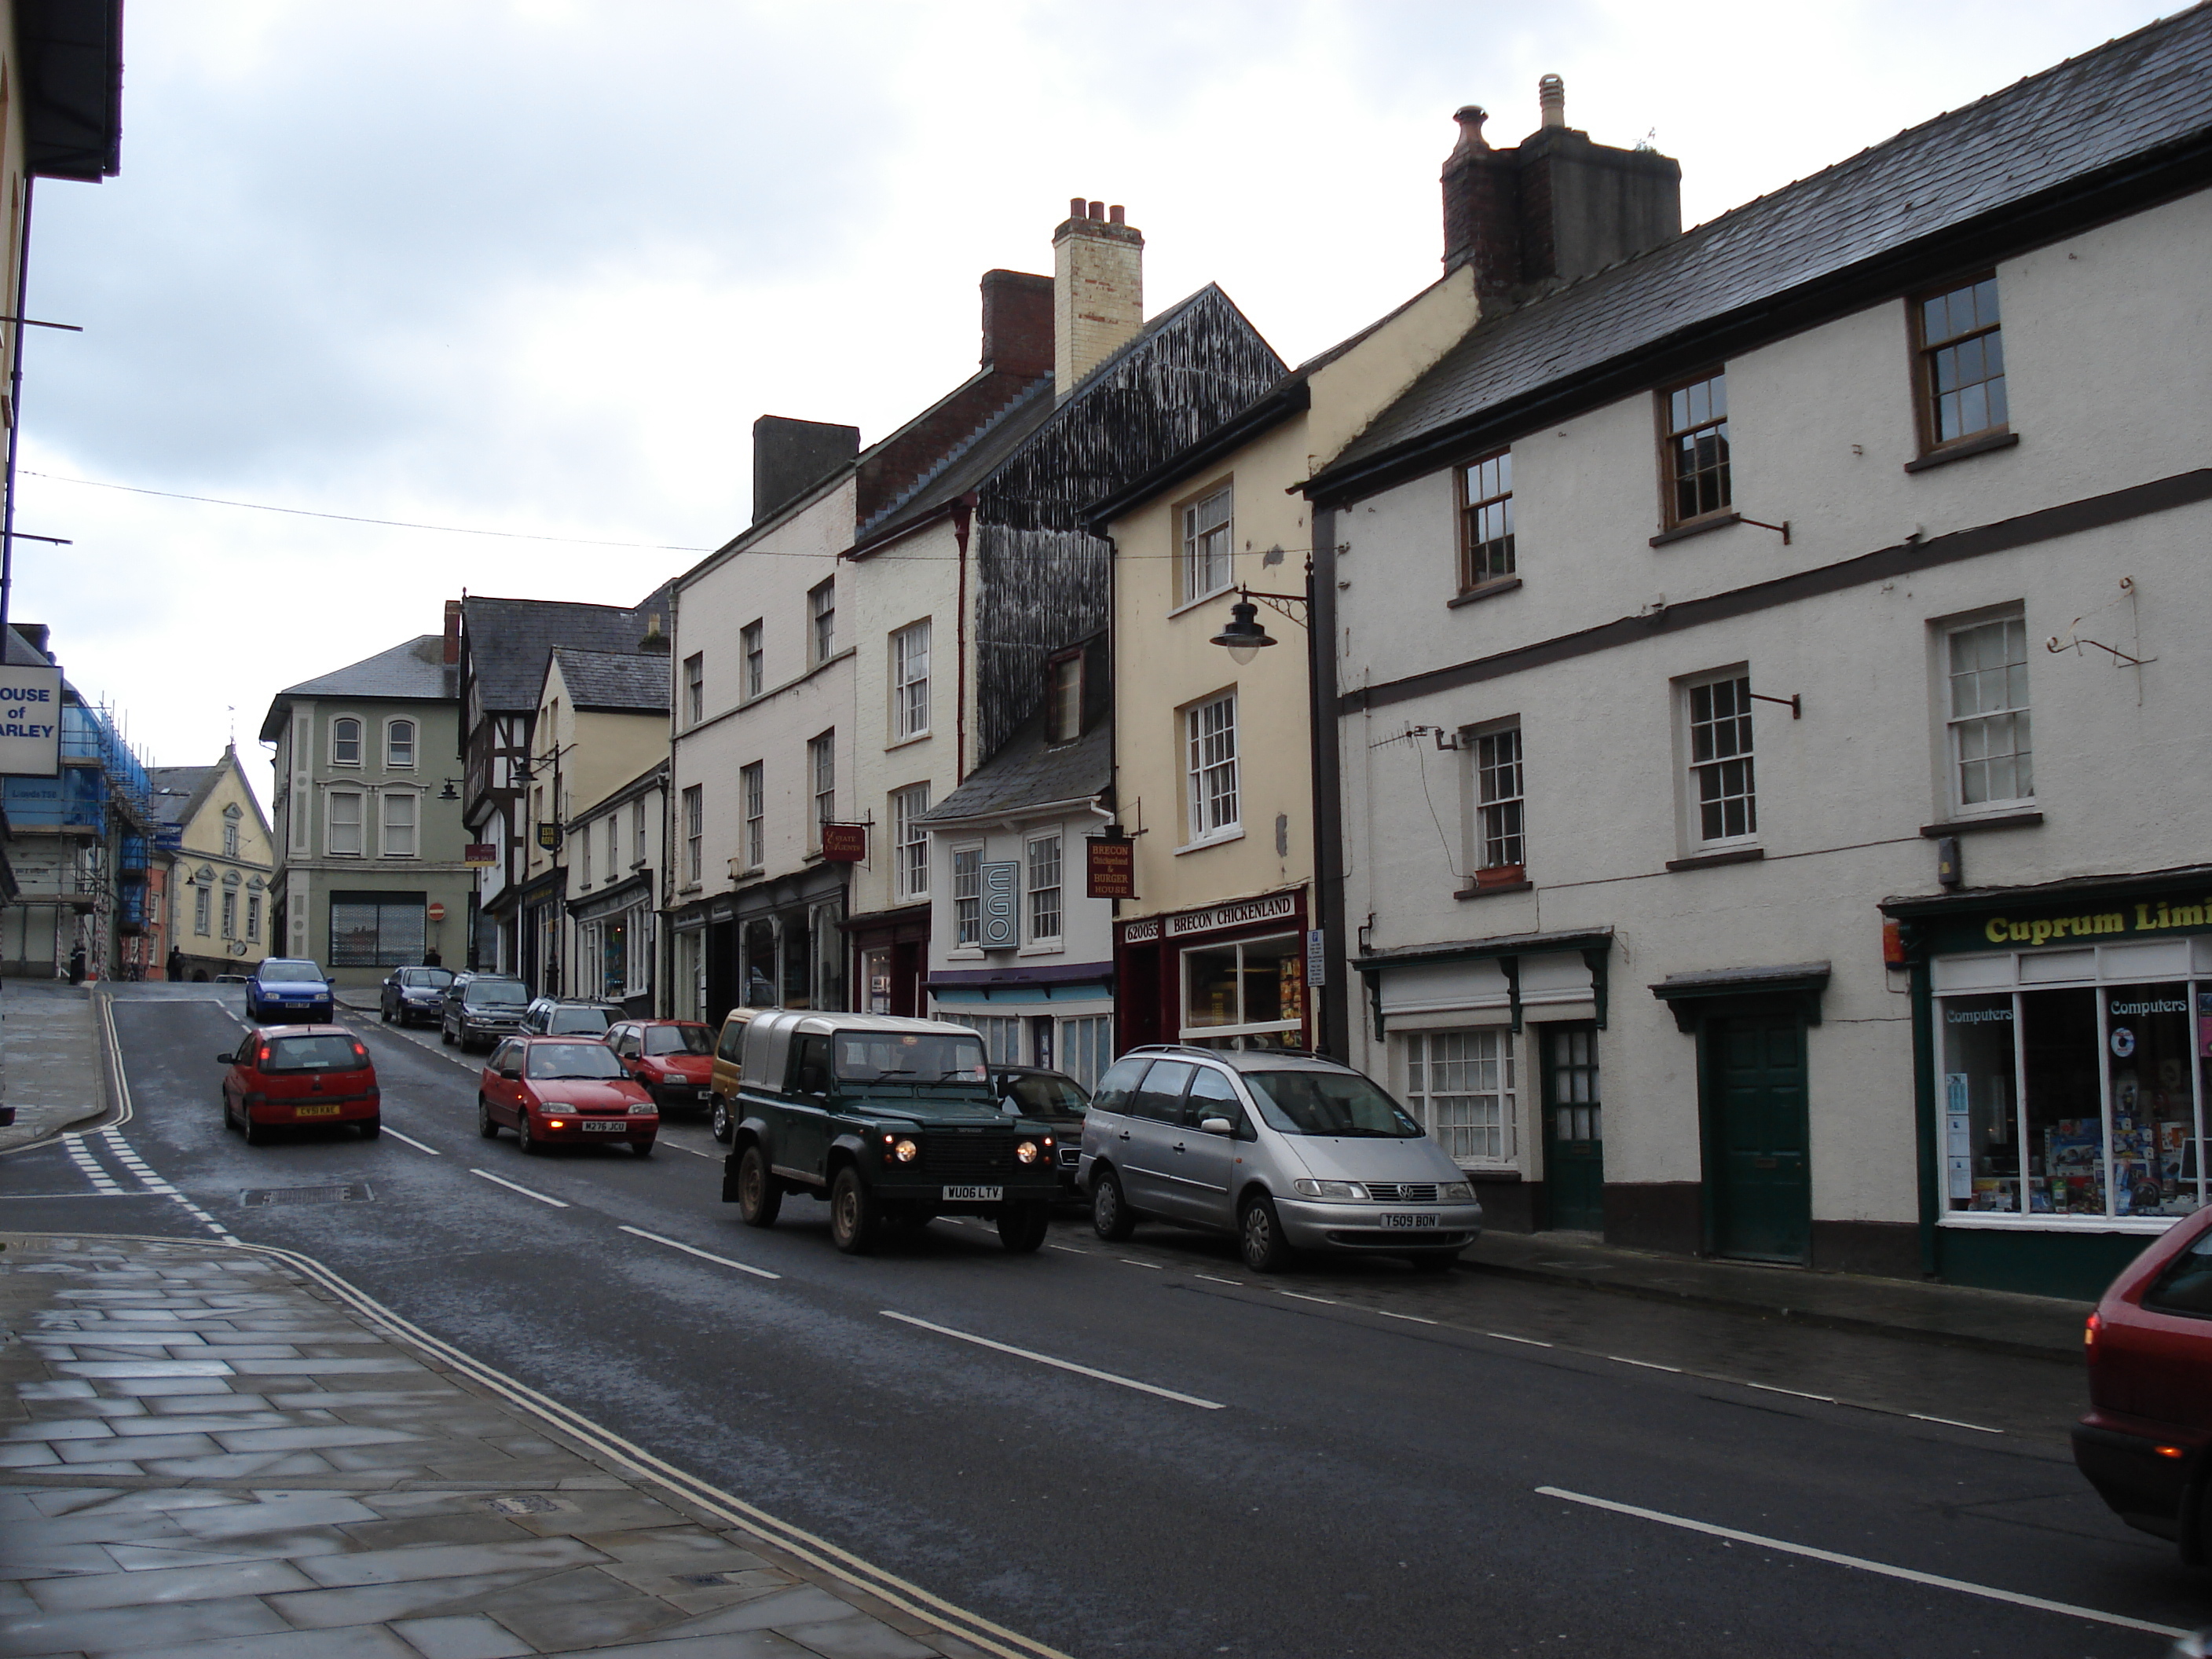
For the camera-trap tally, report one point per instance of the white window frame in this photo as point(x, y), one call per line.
point(910, 841)
point(1500, 782)
point(359, 826)
point(1046, 896)
point(695, 830)
point(1001, 1035)
point(909, 648)
point(394, 744)
point(1735, 728)
point(202, 910)
point(695, 688)
point(1210, 769)
point(584, 857)
point(822, 782)
point(752, 647)
point(230, 835)
point(391, 836)
point(968, 896)
point(752, 796)
point(637, 832)
point(2014, 715)
point(1063, 698)
point(1209, 531)
point(821, 620)
point(230, 913)
point(1473, 1117)
point(1083, 1046)
point(253, 918)
point(337, 737)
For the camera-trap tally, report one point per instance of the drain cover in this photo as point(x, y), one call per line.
point(353, 1192)
point(527, 1503)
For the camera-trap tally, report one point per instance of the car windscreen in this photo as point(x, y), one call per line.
point(1049, 1096)
point(432, 976)
point(314, 1053)
point(678, 1040)
point(562, 1021)
point(2185, 1286)
point(909, 1057)
point(579, 1060)
point(496, 994)
point(1329, 1103)
point(291, 973)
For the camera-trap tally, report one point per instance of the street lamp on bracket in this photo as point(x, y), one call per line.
point(1244, 637)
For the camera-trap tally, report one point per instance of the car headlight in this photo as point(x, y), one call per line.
point(1330, 1188)
point(1026, 1152)
point(1458, 1192)
point(906, 1150)
point(643, 1109)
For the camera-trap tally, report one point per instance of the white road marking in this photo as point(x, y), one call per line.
point(681, 1147)
point(1862, 1565)
point(411, 1141)
point(1797, 1394)
point(1300, 1296)
point(1211, 1280)
point(1644, 1365)
point(704, 1255)
point(88, 1166)
point(1413, 1318)
point(1528, 1341)
point(557, 1203)
point(1058, 1364)
point(1952, 1423)
point(1151, 1267)
point(1070, 1248)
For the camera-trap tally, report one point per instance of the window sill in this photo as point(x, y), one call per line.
point(1708, 860)
point(1682, 533)
point(1203, 599)
point(902, 742)
point(1221, 839)
point(965, 953)
point(1962, 450)
point(2025, 819)
point(1493, 589)
point(1043, 948)
point(1465, 893)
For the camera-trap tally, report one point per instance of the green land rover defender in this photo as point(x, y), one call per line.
point(892, 1120)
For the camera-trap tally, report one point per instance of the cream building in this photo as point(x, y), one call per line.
point(223, 863)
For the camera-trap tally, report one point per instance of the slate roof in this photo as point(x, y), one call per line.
point(510, 640)
point(414, 670)
point(179, 790)
point(625, 682)
point(1028, 772)
point(2092, 115)
point(21, 653)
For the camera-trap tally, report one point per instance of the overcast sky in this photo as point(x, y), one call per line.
point(536, 266)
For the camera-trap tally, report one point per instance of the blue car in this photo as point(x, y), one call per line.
point(285, 989)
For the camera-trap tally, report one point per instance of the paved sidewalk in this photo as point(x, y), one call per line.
point(203, 1456)
point(2039, 1327)
point(50, 1051)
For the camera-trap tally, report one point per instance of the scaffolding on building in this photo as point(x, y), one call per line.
point(91, 823)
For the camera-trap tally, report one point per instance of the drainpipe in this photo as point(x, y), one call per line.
point(964, 513)
point(15, 409)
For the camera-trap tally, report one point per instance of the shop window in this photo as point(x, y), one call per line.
point(1460, 1085)
point(1991, 756)
point(1695, 417)
point(1001, 1035)
point(759, 965)
point(1723, 791)
point(1086, 1048)
point(1247, 995)
point(370, 931)
point(1980, 1103)
point(1045, 890)
point(968, 895)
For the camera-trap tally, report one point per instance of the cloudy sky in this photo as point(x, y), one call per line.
point(534, 266)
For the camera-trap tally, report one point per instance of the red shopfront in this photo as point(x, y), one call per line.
point(1227, 976)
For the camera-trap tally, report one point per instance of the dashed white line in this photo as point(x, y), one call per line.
point(1526, 1341)
point(501, 1181)
point(1795, 1393)
point(1412, 1319)
point(1862, 1565)
point(704, 1255)
point(1952, 1423)
point(1211, 1280)
point(1149, 1267)
point(1070, 1248)
point(411, 1141)
point(681, 1147)
point(1300, 1296)
point(1643, 1365)
point(1058, 1364)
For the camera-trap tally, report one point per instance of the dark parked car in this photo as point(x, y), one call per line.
point(674, 1058)
point(2146, 1444)
point(563, 1091)
point(569, 1016)
point(1054, 1098)
point(287, 988)
point(479, 1009)
point(292, 1075)
point(414, 993)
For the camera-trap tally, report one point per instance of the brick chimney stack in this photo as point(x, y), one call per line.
point(1018, 323)
point(1097, 290)
point(453, 656)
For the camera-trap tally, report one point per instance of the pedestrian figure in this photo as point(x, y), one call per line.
point(176, 963)
point(77, 966)
point(432, 959)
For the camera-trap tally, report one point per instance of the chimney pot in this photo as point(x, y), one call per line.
point(1098, 292)
point(1098, 210)
point(1470, 118)
point(1552, 95)
point(1114, 213)
point(1075, 206)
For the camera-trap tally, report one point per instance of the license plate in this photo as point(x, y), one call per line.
point(974, 1195)
point(1409, 1221)
point(603, 1126)
point(315, 1111)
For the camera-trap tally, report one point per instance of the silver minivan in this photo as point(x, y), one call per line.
point(1287, 1151)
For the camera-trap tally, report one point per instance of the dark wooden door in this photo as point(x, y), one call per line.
point(1574, 1129)
point(1759, 1174)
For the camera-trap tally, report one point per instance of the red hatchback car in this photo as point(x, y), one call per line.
point(674, 1058)
point(2146, 1444)
point(562, 1091)
point(285, 1075)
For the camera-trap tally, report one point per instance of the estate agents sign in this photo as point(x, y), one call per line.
point(30, 721)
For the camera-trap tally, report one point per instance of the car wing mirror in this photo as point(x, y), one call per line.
point(226, 1060)
point(1216, 1125)
point(512, 1073)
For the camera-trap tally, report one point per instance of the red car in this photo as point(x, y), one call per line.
point(2146, 1444)
point(291, 1074)
point(562, 1091)
point(674, 1058)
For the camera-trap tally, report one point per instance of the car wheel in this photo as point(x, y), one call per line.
point(445, 1033)
point(1434, 1262)
point(1259, 1235)
point(256, 1135)
point(372, 1127)
point(854, 1220)
point(1022, 1227)
point(642, 1148)
point(1109, 1213)
point(760, 1194)
point(717, 1119)
point(485, 1127)
point(230, 1123)
point(384, 1012)
point(522, 1134)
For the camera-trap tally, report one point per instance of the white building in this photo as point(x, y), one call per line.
point(1769, 714)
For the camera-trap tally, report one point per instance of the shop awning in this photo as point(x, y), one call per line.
point(1685, 993)
point(1595, 944)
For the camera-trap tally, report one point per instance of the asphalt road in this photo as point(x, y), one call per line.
point(1339, 1462)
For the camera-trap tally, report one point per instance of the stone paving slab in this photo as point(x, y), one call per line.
point(49, 1058)
point(188, 1501)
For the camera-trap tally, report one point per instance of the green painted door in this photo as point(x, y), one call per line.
point(1574, 1129)
point(1761, 1190)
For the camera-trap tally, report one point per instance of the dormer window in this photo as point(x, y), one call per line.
point(1063, 698)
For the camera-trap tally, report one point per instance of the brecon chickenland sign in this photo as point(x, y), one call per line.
point(1278, 907)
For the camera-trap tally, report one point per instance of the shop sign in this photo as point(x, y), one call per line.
point(31, 722)
point(549, 836)
point(1280, 907)
point(845, 843)
point(1109, 868)
point(1140, 932)
point(1001, 925)
point(2143, 916)
point(480, 854)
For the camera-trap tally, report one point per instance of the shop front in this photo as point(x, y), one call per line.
point(1228, 976)
point(1056, 1015)
point(2064, 1034)
point(891, 957)
point(614, 945)
point(789, 945)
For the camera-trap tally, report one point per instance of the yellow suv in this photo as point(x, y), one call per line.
point(729, 1047)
